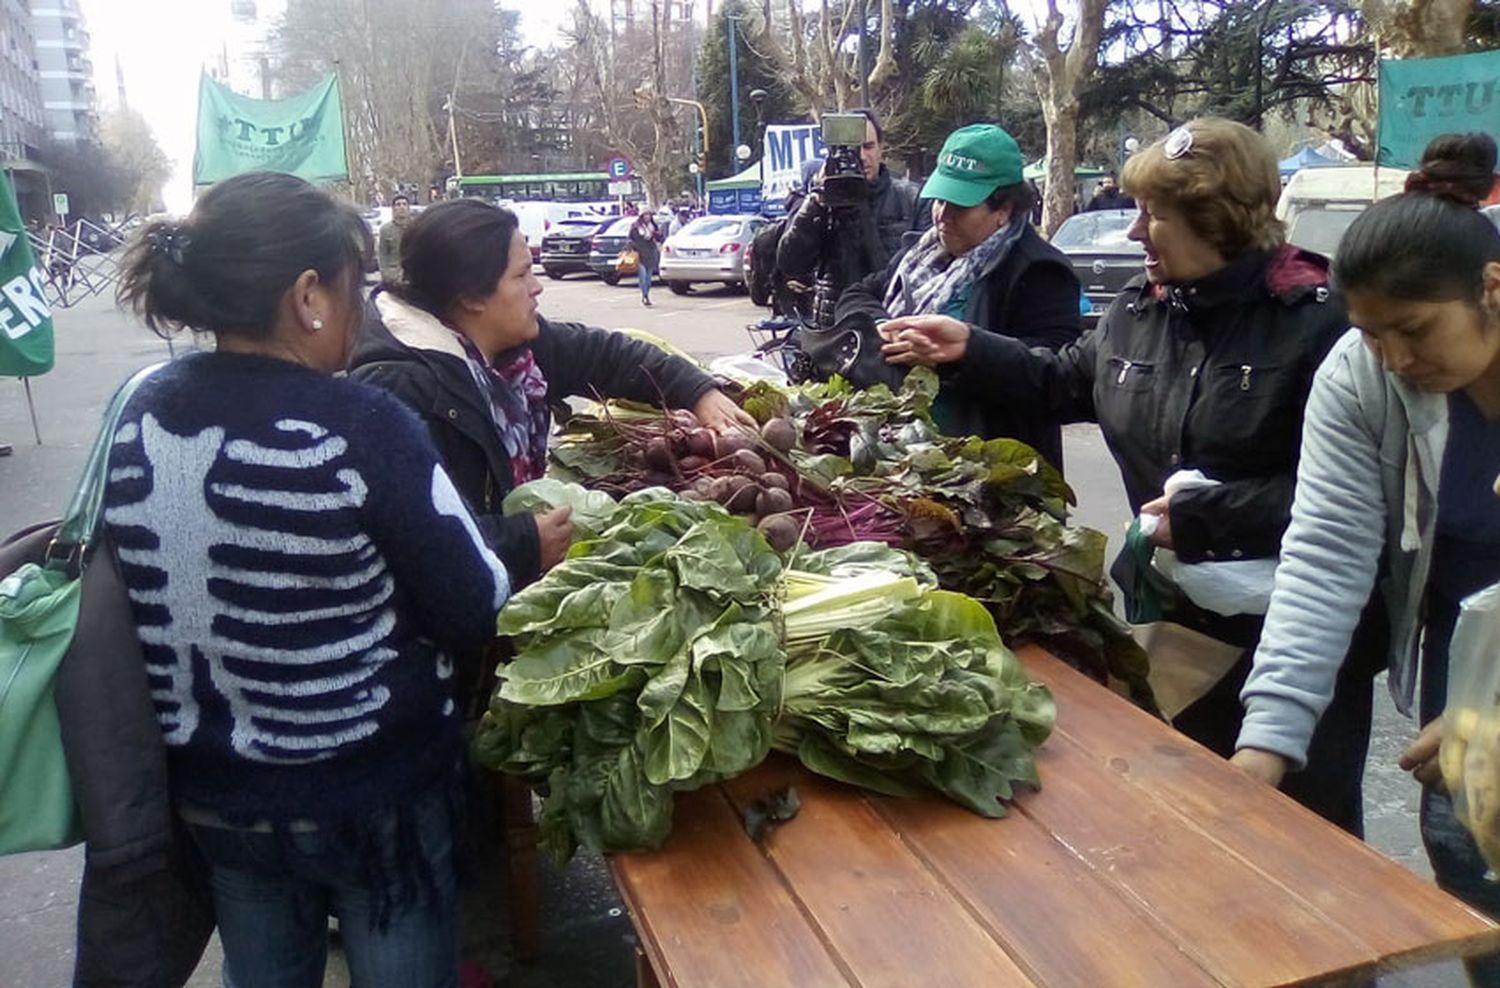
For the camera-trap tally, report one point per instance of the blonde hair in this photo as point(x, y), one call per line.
point(1225, 184)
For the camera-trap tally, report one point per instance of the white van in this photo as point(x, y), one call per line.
point(537, 216)
point(1318, 204)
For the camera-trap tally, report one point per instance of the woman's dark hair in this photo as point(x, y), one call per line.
point(1460, 167)
point(225, 268)
point(454, 250)
point(1020, 197)
point(1428, 244)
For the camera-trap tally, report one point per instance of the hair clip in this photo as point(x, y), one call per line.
point(169, 240)
point(1178, 143)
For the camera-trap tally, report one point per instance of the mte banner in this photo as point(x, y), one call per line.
point(301, 135)
point(25, 318)
point(1421, 98)
point(787, 146)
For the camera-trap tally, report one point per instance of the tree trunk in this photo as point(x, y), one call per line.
point(1061, 75)
point(886, 68)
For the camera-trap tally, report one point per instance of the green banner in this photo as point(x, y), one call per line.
point(1421, 98)
point(301, 135)
point(25, 317)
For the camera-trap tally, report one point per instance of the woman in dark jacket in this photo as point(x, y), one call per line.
point(981, 265)
point(463, 343)
point(1204, 363)
point(644, 237)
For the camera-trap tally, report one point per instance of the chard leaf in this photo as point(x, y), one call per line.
point(820, 754)
point(563, 670)
point(674, 748)
point(634, 813)
point(592, 510)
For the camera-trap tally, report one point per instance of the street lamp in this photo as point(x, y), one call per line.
point(758, 97)
point(742, 152)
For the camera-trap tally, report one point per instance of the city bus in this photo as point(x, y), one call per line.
point(554, 187)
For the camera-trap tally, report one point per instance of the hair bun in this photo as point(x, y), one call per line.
point(1449, 190)
point(1458, 168)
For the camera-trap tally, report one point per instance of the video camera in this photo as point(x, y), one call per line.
point(844, 173)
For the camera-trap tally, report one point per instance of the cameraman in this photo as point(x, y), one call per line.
point(829, 247)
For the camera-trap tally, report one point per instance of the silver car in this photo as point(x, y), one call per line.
point(710, 248)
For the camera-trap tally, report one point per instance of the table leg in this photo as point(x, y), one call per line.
point(645, 974)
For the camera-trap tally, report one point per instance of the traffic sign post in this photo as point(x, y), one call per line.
point(60, 203)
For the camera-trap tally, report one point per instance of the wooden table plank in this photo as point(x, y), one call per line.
point(1029, 889)
point(1398, 915)
point(1222, 912)
point(866, 892)
point(718, 914)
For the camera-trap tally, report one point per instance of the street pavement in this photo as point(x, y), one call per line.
point(588, 940)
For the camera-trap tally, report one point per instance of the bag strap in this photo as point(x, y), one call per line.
point(80, 522)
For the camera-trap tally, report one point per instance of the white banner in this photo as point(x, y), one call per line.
point(787, 147)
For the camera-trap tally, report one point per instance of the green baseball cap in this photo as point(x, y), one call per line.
point(975, 161)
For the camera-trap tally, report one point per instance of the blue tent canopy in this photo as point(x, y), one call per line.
point(1306, 158)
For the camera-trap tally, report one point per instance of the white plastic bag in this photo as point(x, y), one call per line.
point(1228, 587)
point(747, 368)
point(1470, 752)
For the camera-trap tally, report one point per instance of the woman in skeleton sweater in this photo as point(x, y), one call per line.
point(301, 568)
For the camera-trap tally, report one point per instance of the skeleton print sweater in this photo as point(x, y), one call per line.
point(299, 567)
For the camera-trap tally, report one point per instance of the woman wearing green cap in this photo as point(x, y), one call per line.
point(1202, 364)
point(980, 265)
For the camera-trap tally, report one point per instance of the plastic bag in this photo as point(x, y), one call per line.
point(1470, 751)
point(1240, 586)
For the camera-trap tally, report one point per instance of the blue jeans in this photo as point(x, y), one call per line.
point(274, 893)
point(643, 274)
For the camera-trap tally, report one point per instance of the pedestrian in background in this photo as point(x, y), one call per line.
point(645, 240)
point(1203, 363)
point(388, 245)
point(301, 570)
point(1109, 196)
point(1396, 488)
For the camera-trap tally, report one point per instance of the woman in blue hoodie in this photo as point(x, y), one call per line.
point(1396, 483)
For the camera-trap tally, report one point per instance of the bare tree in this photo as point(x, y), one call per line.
point(1062, 70)
point(1418, 28)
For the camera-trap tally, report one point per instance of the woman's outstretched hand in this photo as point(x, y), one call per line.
point(719, 413)
point(925, 341)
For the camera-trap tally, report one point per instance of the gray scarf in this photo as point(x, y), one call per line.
point(929, 280)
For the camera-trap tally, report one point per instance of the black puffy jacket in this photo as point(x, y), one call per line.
point(1029, 297)
point(413, 355)
point(1212, 375)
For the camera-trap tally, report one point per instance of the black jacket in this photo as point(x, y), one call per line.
point(413, 355)
point(830, 249)
point(1211, 375)
point(1030, 298)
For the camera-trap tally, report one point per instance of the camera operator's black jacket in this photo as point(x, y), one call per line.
point(1032, 295)
point(831, 248)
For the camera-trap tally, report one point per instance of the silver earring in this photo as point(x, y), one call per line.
point(317, 324)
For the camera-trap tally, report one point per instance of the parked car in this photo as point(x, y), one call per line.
point(1318, 204)
point(606, 246)
point(1102, 256)
point(710, 248)
point(565, 248)
point(537, 217)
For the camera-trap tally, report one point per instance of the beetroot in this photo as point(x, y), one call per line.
point(748, 461)
point(692, 464)
point(771, 479)
point(742, 501)
point(779, 434)
point(721, 489)
point(773, 501)
point(683, 419)
point(704, 443)
point(658, 455)
point(781, 531)
point(731, 442)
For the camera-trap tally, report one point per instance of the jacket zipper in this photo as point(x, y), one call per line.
point(1124, 370)
point(1245, 377)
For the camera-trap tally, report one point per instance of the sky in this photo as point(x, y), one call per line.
point(163, 52)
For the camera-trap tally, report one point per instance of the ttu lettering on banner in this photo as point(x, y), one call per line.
point(1421, 98)
point(301, 135)
point(26, 343)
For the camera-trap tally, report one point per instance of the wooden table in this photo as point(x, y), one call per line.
point(1145, 860)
